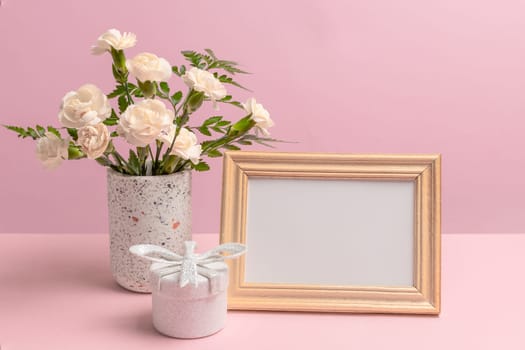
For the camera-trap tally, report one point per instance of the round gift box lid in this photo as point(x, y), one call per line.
point(169, 284)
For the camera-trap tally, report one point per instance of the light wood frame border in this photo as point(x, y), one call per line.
point(424, 170)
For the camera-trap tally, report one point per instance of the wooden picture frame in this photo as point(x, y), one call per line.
point(333, 232)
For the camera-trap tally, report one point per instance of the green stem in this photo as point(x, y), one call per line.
point(223, 141)
point(219, 143)
point(177, 110)
point(157, 155)
point(128, 96)
point(168, 151)
point(167, 97)
point(121, 159)
point(178, 127)
point(152, 160)
point(181, 165)
point(122, 162)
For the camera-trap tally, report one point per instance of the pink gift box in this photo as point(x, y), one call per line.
point(190, 311)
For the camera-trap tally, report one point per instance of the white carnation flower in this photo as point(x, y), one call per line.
point(147, 66)
point(259, 115)
point(93, 140)
point(143, 122)
point(51, 150)
point(86, 106)
point(203, 81)
point(113, 39)
point(186, 145)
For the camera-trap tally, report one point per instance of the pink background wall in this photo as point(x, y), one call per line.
point(339, 76)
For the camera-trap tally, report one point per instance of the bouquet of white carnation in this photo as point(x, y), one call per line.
point(151, 117)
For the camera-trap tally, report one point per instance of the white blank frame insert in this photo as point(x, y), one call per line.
point(333, 232)
point(369, 229)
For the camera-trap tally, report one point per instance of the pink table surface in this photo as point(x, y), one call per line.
point(56, 292)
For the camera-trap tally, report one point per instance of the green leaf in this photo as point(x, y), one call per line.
point(217, 129)
point(20, 131)
point(114, 134)
point(244, 124)
point(223, 123)
point(73, 133)
point(41, 130)
point(142, 153)
point(133, 163)
point(228, 80)
point(170, 163)
point(117, 159)
point(176, 97)
point(119, 90)
point(204, 130)
point(244, 142)
point(182, 120)
point(261, 140)
point(135, 91)
point(54, 131)
point(110, 148)
point(193, 57)
point(234, 103)
point(202, 166)
point(103, 161)
point(210, 61)
point(226, 98)
point(228, 66)
point(118, 169)
point(211, 53)
point(164, 87)
point(32, 132)
point(122, 104)
point(74, 152)
point(212, 120)
point(231, 147)
point(217, 63)
point(197, 59)
point(112, 119)
point(180, 71)
point(214, 153)
point(206, 144)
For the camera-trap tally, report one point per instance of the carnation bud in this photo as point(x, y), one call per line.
point(195, 101)
point(148, 89)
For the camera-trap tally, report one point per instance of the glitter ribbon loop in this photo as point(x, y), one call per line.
point(191, 265)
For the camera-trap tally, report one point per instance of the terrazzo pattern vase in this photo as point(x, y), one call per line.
point(146, 210)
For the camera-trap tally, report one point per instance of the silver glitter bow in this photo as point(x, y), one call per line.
point(191, 264)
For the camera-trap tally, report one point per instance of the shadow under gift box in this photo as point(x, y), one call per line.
point(192, 311)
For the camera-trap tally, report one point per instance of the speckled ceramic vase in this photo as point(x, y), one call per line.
point(146, 209)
